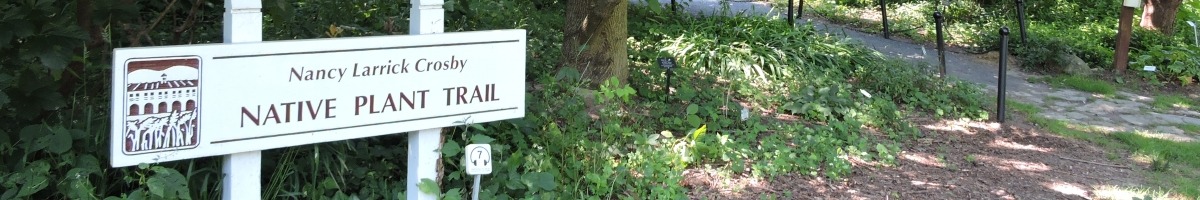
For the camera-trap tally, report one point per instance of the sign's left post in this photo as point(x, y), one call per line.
point(242, 24)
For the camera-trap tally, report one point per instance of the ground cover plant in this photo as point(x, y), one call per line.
point(814, 102)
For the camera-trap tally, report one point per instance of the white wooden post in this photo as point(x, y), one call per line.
point(243, 171)
point(428, 17)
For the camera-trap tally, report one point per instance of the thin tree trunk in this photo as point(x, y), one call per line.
point(1160, 15)
point(595, 39)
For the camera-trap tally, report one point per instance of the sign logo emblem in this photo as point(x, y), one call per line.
point(161, 100)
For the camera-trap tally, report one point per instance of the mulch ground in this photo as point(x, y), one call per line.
point(955, 160)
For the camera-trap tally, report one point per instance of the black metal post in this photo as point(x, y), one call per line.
point(668, 89)
point(1021, 17)
point(1003, 67)
point(791, 20)
point(800, 13)
point(941, 43)
point(673, 6)
point(669, 65)
point(883, 8)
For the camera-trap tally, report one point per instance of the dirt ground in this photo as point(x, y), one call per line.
point(956, 160)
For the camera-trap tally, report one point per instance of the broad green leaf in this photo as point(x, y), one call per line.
point(32, 137)
point(9, 194)
point(545, 181)
point(481, 139)
point(78, 186)
point(329, 183)
point(699, 132)
point(34, 178)
point(655, 7)
point(5, 143)
point(692, 109)
point(451, 148)
point(567, 74)
point(428, 186)
point(694, 120)
point(168, 183)
point(59, 141)
point(453, 194)
point(54, 59)
point(4, 100)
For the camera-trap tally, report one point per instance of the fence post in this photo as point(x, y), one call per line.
point(243, 171)
point(887, 34)
point(673, 5)
point(800, 9)
point(1021, 17)
point(791, 20)
point(428, 17)
point(941, 43)
point(1124, 33)
point(1003, 74)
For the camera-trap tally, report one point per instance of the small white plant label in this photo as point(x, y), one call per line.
point(479, 159)
point(1150, 68)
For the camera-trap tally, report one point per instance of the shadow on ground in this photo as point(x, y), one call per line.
point(957, 160)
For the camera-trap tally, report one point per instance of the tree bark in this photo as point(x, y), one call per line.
point(1160, 15)
point(595, 39)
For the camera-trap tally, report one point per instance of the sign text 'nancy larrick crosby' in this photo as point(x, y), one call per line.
point(181, 102)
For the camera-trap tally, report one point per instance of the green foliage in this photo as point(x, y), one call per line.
point(1085, 84)
point(1043, 54)
point(54, 98)
point(1176, 63)
point(1171, 102)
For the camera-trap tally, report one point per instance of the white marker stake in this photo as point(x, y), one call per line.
point(479, 162)
point(427, 17)
point(243, 23)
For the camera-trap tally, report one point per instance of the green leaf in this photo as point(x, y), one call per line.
point(59, 141)
point(4, 100)
point(32, 179)
point(545, 180)
point(453, 194)
point(655, 6)
point(567, 74)
point(168, 183)
point(35, 135)
point(451, 148)
point(692, 109)
point(5, 143)
point(428, 186)
point(481, 139)
point(78, 186)
point(54, 59)
point(329, 183)
point(694, 120)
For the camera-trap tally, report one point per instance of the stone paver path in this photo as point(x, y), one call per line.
point(1124, 112)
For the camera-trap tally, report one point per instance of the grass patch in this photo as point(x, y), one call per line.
point(1191, 128)
point(1174, 165)
point(1028, 109)
point(1181, 152)
point(1085, 84)
point(1174, 101)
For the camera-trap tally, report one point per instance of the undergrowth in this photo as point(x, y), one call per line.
point(814, 100)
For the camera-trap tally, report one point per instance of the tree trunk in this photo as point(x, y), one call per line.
point(595, 39)
point(1160, 15)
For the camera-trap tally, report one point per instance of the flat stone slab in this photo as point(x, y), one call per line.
point(1070, 95)
point(1140, 120)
